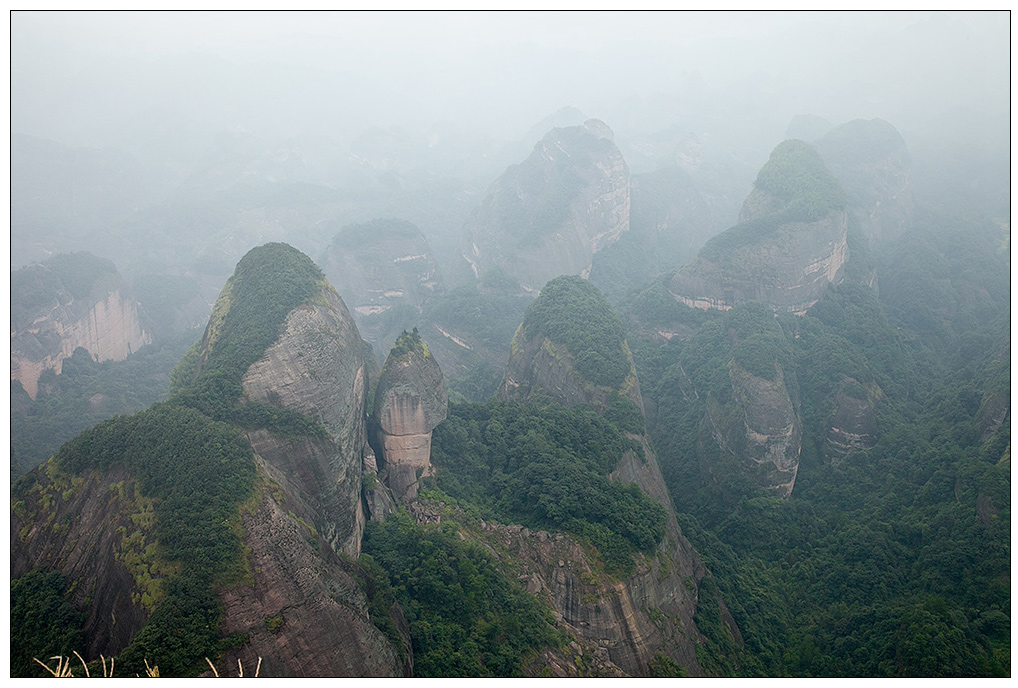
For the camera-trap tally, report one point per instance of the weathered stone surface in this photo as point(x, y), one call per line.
point(766, 437)
point(409, 403)
point(789, 271)
point(304, 614)
point(106, 324)
point(549, 215)
point(538, 366)
point(613, 614)
point(854, 425)
point(317, 367)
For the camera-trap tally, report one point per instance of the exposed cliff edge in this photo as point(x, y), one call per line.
point(571, 349)
point(767, 437)
point(66, 302)
point(317, 368)
point(790, 243)
point(409, 403)
point(550, 214)
point(853, 426)
point(249, 477)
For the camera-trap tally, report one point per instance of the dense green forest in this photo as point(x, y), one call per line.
point(546, 466)
point(572, 311)
point(895, 559)
point(84, 393)
point(466, 616)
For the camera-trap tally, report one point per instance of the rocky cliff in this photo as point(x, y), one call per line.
point(381, 266)
point(410, 402)
point(766, 438)
point(280, 338)
point(570, 348)
point(790, 244)
point(550, 214)
point(66, 302)
point(853, 426)
point(547, 360)
point(317, 368)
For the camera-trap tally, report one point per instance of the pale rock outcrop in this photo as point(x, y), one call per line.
point(410, 402)
point(550, 214)
point(317, 367)
point(768, 439)
point(789, 271)
point(106, 324)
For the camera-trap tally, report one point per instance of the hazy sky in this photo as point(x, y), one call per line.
point(433, 33)
point(80, 76)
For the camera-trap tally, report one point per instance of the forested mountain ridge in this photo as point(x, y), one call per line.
point(840, 461)
point(886, 560)
point(258, 467)
point(790, 243)
point(209, 550)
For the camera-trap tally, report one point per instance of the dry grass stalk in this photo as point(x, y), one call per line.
point(62, 669)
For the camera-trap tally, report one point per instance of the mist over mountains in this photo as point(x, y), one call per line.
point(511, 344)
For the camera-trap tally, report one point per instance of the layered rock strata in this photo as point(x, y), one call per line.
point(791, 242)
point(317, 368)
point(410, 402)
point(854, 424)
point(767, 440)
point(790, 271)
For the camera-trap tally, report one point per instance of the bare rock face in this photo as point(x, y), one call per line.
point(302, 613)
point(768, 443)
point(317, 367)
point(409, 403)
point(51, 318)
point(539, 366)
point(854, 425)
point(790, 272)
point(381, 265)
point(549, 215)
point(91, 528)
point(789, 246)
point(607, 614)
point(870, 160)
